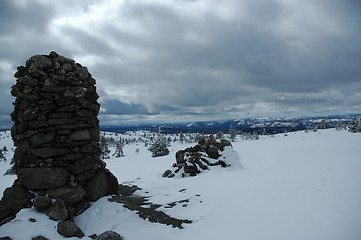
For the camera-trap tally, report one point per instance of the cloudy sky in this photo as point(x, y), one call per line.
point(184, 60)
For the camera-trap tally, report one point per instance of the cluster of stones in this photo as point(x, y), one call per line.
point(56, 134)
point(192, 161)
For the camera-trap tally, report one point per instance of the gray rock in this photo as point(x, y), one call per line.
point(112, 183)
point(57, 211)
point(50, 152)
point(69, 157)
point(88, 147)
point(29, 81)
point(31, 97)
point(69, 194)
point(69, 229)
point(41, 61)
point(166, 173)
point(42, 178)
point(38, 124)
point(68, 108)
point(80, 207)
point(109, 235)
point(61, 121)
point(52, 89)
point(85, 175)
point(80, 135)
point(67, 67)
point(42, 138)
point(14, 199)
point(41, 203)
point(96, 187)
point(225, 143)
point(39, 238)
point(81, 165)
point(213, 152)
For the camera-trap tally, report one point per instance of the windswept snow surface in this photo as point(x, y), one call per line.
point(300, 186)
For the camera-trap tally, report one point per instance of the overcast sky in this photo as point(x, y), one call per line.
point(183, 60)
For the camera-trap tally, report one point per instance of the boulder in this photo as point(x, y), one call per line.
point(14, 199)
point(41, 62)
point(57, 211)
point(41, 203)
point(112, 183)
point(42, 178)
point(225, 143)
point(69, 229)
point(96, 187)
point(39, 238)
point(69, 194)
point(166, 173)
point(109, 235)
point(213, 152)
point(80, 207)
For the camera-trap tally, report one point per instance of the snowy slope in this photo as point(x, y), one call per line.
point(300, 186)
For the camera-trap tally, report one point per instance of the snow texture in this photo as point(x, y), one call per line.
point(300, 186)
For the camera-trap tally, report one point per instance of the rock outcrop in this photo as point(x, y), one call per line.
point(207, 153)
point(56, 134)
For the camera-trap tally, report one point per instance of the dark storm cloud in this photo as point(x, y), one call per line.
point(116, 107)
point(189, 60)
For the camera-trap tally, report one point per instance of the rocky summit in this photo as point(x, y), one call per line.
point(56, 134)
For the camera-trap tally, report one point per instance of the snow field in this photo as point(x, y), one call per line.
point(300, 186)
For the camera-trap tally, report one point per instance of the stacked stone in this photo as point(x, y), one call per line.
point(194, 160)
point(56, 131)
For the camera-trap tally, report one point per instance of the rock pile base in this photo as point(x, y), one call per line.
point(194, 160)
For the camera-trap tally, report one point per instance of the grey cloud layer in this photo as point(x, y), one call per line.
point(170, 60)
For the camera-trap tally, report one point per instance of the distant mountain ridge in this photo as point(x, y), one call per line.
point(250, 125)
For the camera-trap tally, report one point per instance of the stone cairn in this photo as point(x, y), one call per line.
point(56, 134)
point(194, 160)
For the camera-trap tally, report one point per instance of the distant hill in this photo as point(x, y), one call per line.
point(251, 125)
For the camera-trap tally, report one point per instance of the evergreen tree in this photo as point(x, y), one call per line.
point(104, 149)
point(339, 125)
point(323, 124)
point(12, 169)
point(219, 135)
point(119, 150)
point(355, 126)
point(232, 134)
point(159, 147)
point(2, 156)
point(181, 138)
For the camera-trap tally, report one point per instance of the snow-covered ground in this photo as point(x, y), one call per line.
point(300, 186)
